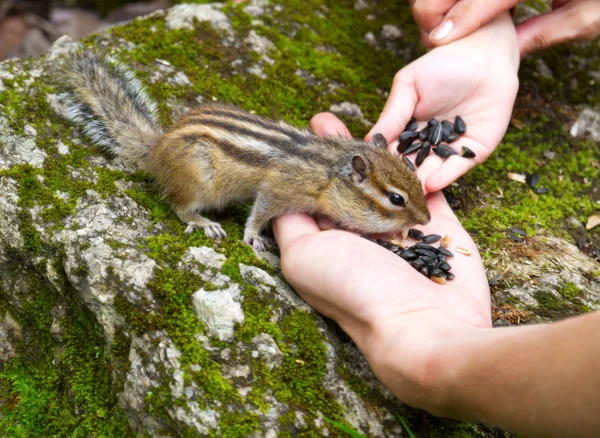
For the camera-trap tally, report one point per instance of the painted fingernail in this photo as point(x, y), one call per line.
point(442, 31)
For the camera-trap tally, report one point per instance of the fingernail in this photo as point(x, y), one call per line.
point(442, 31)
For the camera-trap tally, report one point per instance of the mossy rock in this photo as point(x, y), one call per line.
point(111, 323)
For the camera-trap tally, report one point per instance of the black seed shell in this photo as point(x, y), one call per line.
point(431, 238)
point(432, 122)
point(409, 164)
point(435, 134)
point(460, 125)
point(413, 148)
point(452, 137)
point(444, 151)
point(429, 262)
point(541, 190)
point(411, 125)
point(406, 139)
point(445, 134)
point(427, 253)
point(413, 233)
point(532, 180)
point(446, 252)
point(423, 153)
point(450, 276)
point(466, 152)
point(444, 266)
point(424, 271)
point(423, 133)
point(417, 264)
point(408, 254)
point(437, 273)
point(389, 246)
point(424, 246)
point(448, 125)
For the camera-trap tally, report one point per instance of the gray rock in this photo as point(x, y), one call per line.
point(588, 123)
point(391, 32)
point(219, 310)
point(182, 16)
point(17, 149)
point(351, 110)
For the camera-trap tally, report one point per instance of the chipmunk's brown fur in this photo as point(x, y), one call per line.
point(217, 155)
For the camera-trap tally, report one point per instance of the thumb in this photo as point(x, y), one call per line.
point(399, 107)
point(565, 23)
point(466, 17)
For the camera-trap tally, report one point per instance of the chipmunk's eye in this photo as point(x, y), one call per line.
point(397, 199)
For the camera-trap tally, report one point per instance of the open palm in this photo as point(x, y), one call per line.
point(446, 82)
point(358, 283)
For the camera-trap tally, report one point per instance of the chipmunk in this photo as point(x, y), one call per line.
point(217, 155)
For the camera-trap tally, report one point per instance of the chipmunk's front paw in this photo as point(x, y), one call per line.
point(213, 230)
point(256, 241)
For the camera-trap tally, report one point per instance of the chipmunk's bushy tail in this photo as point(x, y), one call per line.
point(111, 105)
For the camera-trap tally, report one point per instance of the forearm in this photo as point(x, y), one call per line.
point(537, 380)
point(541, 380)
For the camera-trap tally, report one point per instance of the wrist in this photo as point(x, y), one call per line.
point(418, 357)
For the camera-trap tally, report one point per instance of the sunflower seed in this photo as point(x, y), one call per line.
point(444, 151)
point(462, 250)
point(446, 252)
point(417, 264)
point(408, 254)
point(519, 231)
point(452, 137)
point(466, 152)
point(450, 276)
point(541, 190)
point(448, 125)
point(424, 246)
point(438, 280)
point(445, 134)
point(406, 139)
point(532, 180)
point(409, 164)
point(435, 134)
point(411, 125)
point(413, 148)
point(423, 153)
point(444, 266)
point(432, 123)
point(431, 238)
point(460, 125)
point(413, 233)
point(423, 133)
point(424, 271)
point(427, 253)
point(445, 242)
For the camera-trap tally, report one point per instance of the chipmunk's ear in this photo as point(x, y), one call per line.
point(378, 140)
point(359, 169)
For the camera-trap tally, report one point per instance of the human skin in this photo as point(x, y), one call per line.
point(432, 345)
point(475, 78)
point(445, 21)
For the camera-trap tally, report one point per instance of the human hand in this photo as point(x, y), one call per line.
point(375, 296)
point(475, 78)
point(445, 21)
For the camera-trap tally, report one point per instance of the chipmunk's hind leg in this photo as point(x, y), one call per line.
point(195, 221)
point(263, 209)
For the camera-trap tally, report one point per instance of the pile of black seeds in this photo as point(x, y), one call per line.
point(430, 261)
point(431, 137)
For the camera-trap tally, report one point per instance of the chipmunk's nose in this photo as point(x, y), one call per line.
point(423, 218)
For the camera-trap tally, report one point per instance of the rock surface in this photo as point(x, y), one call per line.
point(122, 324)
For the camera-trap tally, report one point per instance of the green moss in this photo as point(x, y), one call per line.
point(67, 391)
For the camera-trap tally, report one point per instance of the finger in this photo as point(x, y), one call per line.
point(291, 228)
point(466, 17)
point(328, 124)
point(428, 14)
point(456, 166)
point(569, 22)
point(399, 107)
